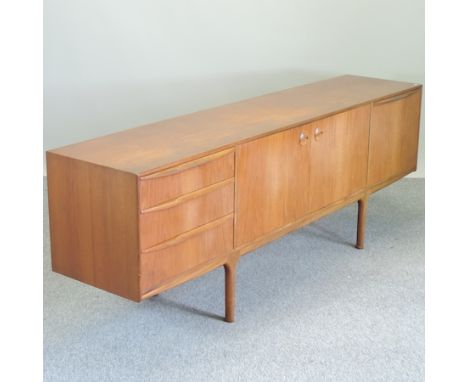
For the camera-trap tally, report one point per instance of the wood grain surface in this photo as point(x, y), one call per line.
point(166, 143)
point(394, 136)
point(168, 185)
point(172, 259)
point(286, 175)
point(164, 224)
point(93, 214)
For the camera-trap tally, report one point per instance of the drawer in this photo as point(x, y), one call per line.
point(169, 184)
point(168, 220)
point(184, 253)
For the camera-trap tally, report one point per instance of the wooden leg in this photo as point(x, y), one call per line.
point(230, 289)
point(361, 223)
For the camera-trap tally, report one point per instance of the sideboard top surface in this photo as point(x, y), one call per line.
point(143, 149)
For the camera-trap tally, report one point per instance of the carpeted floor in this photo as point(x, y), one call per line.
point(310, 307)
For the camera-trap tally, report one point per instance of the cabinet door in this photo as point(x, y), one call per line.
point(338, 155)
point(282, 177)
point(272, 182)
point(394, 137)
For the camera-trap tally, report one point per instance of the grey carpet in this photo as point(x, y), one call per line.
point(310, 307)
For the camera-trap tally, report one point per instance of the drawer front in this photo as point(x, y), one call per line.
point(166, 221)
point(170, 184)
point(178, 256)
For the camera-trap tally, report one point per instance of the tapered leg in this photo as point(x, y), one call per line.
point(361, 223)
point(230, 289)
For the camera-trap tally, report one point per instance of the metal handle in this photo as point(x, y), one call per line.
point(303, 138)
point(317, 133)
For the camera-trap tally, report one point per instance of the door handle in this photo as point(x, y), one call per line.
point(317, 133)
point(303, 138)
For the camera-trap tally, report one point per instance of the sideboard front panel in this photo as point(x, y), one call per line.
point(393, 149)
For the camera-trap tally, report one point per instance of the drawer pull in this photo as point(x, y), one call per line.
point(184, 236)
point(303, 138)
point(317, 133)
point(187, 197)
point(393, 99)
point(187, 166)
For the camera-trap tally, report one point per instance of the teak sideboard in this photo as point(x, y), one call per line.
point(146, 209)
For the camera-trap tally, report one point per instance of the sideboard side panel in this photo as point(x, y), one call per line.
point(94, 224)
